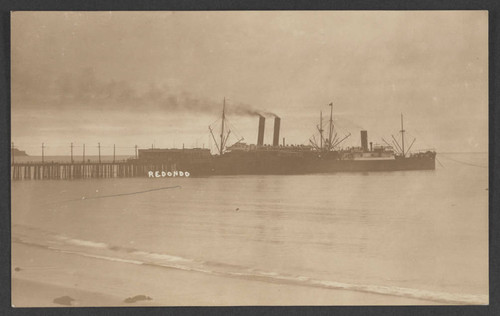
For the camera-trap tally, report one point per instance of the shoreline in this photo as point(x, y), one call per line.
point(43, 275)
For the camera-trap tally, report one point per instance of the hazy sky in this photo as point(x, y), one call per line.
point(129, 78)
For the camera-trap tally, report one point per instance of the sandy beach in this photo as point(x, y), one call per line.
point(43, 275)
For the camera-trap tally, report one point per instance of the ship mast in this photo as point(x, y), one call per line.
point(223, 138)
point(402, 136)
point(400, 148)
point(321, 130)
point(327, 144)
point(331, 127)
point(221, 149)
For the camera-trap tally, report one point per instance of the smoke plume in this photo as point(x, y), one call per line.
point(242, 109)
point(85, 91)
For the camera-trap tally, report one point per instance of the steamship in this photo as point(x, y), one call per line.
point(322, 155)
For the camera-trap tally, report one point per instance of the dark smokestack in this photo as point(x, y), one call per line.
point(364, 140)
point(262, 124)
point(276, 137)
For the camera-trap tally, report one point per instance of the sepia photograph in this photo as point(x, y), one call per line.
point(249, 158)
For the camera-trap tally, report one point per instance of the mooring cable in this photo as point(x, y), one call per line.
point(123, 194)
point(439, 162)
point(463, 162)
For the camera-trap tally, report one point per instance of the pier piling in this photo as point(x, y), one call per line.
point(76, 170)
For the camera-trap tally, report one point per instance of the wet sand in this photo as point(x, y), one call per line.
point(44, 275)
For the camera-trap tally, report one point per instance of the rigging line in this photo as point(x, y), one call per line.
point(123, 194)
point(312, 133)
point(233, 129)
point(213, 137)
point(386, 142)
point(465, 163)
point(439, 162)
point(395, 148)
point(408, 150)
point(323, 139)
point(215, 121)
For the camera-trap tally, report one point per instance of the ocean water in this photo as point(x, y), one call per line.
point(418, 234)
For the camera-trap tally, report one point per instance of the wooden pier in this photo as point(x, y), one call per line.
point(83, 170)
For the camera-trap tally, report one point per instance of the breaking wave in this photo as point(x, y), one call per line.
point(102, 251)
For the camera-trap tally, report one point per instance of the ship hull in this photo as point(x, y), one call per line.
point(235, 166)
point(261, 164)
